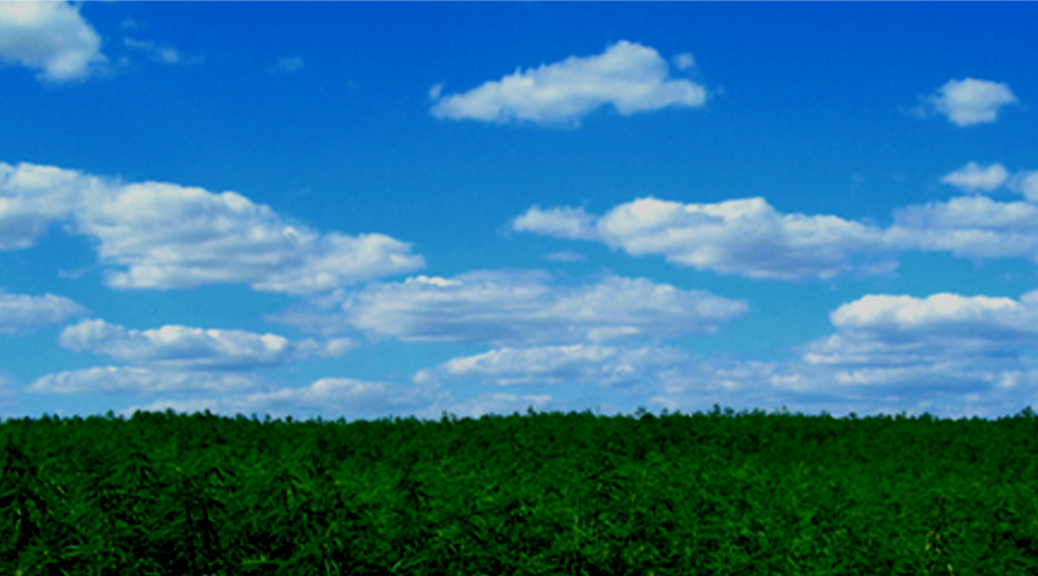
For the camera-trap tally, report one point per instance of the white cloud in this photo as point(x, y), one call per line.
point(683, 61)
point(947, 390)
point(973, 178)
point(157, 235)
point(33, 197)
point(139, 380)
point(288, 64)
point(235, 392)
point(51, 37)
point(571, 364)
point(161, 53)
point(333, 398)
point(750, 238)
point(170, 236)
point(508, 307)
point(1025, 183)
point(621, 378)
point(564, 222)
point(630, 77)
point(973, 227)
point(326, 397)
point(944, 314)
point(881, 375)
point(946, 353)
point(945, 341)
point(321, 393)
point(185, 348)
point(21, 312)
point(971, 101)
point(745, 237)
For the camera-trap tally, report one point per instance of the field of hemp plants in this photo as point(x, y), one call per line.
point(713, 493)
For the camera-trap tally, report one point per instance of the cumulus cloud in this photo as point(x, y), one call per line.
point(139, 380)
point(182, 347)
point(630, 77)
point(1025, 183)
point(159, 235)
point(616, 379)
point(338, 391)
point(34, 197)
point(749, 238)
point(51, 37)
point(944, 341)
point(21, 312)
point(949, 390)
point(947, 354)
point(168, 236)
point(942, 314)
point(746, 237)
point(886, 378)
point(973, 178)
point(970, 101)
point(562, 222)
point(974, 227)
point(326, 397)
point(508, 307)
point(233, 393)
point(569, 364)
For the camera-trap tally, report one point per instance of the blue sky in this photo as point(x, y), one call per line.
point(369, 210)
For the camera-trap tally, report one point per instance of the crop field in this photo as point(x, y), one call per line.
point(707, 493)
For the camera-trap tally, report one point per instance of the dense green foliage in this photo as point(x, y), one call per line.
point(709, 493)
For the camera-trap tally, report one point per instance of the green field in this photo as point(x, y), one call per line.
point(551, 493)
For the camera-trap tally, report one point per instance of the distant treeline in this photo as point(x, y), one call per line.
point(708, 493)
